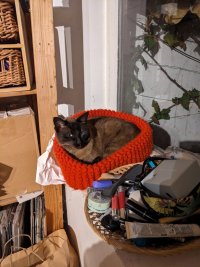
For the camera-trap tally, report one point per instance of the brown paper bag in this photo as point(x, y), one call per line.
point(55, 250)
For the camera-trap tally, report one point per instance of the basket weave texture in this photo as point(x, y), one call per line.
point(11, 68)
point(117, 240)
point(8, 24)
point(80, 176)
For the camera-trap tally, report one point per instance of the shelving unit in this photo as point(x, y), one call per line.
point(23, 45)
point(43, 95)
point(45, 75)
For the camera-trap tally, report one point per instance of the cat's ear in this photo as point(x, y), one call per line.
point(83, 117)
point(59, 123)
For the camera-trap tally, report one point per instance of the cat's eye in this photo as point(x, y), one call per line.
point(85, 135)
point(69, 135)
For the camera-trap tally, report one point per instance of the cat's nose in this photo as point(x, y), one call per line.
point(78, 143)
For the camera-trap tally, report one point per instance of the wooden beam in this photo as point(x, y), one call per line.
point(45, 75)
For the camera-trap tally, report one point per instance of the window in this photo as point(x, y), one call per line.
point(159, 64)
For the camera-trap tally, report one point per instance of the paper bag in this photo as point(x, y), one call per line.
point(55, 250)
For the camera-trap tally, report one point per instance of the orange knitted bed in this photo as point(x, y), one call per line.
point(80, 176)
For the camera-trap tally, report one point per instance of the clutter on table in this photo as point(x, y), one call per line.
point(153, 203)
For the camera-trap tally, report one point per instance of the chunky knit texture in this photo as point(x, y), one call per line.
point(80, 176)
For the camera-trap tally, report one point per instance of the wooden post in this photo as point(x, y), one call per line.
point(45, 75)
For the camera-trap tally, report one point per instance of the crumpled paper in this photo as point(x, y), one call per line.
point(48, 172)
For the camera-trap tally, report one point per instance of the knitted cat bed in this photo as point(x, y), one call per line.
point(80, 176)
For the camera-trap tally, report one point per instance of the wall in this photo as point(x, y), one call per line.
point(100, 36)
point(96, 86)
point(69, 56)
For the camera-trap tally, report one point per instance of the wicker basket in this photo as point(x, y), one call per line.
point(11, 68)
point(119, 242)
point(8, 24)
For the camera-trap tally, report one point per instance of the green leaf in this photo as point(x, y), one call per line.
point(138, 50)
point(136, 69)
point(137, 85)
point(151, 44)
point(155, 120)
point(155, 105)
point(164, 114)
point(144, 63)
point(154, 29)
point(185, 101)
point(160, 114)
point(172, 40)
point(176, 100)
point(194, 93)
point(186, 98)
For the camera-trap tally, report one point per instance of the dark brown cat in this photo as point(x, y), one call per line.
point(90, 140)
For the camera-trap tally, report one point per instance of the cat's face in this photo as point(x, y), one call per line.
point(74, 133)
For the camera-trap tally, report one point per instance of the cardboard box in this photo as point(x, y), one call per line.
point(18, 156)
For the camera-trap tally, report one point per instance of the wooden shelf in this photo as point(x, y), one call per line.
point(9, 90)
point(5, 46)
point(18, 93)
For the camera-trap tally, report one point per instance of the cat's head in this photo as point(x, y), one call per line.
point(73, 132)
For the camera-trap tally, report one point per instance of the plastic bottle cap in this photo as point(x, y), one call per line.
point(102, 184)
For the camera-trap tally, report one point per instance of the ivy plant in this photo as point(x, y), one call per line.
point(175, 36)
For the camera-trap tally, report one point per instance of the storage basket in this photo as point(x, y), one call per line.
point(8, 23)
point(11, 68)
point(118, 241)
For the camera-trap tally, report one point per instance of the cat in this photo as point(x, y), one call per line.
point(91, 140)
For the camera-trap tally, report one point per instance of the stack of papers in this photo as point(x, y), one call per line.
point(18, 220)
